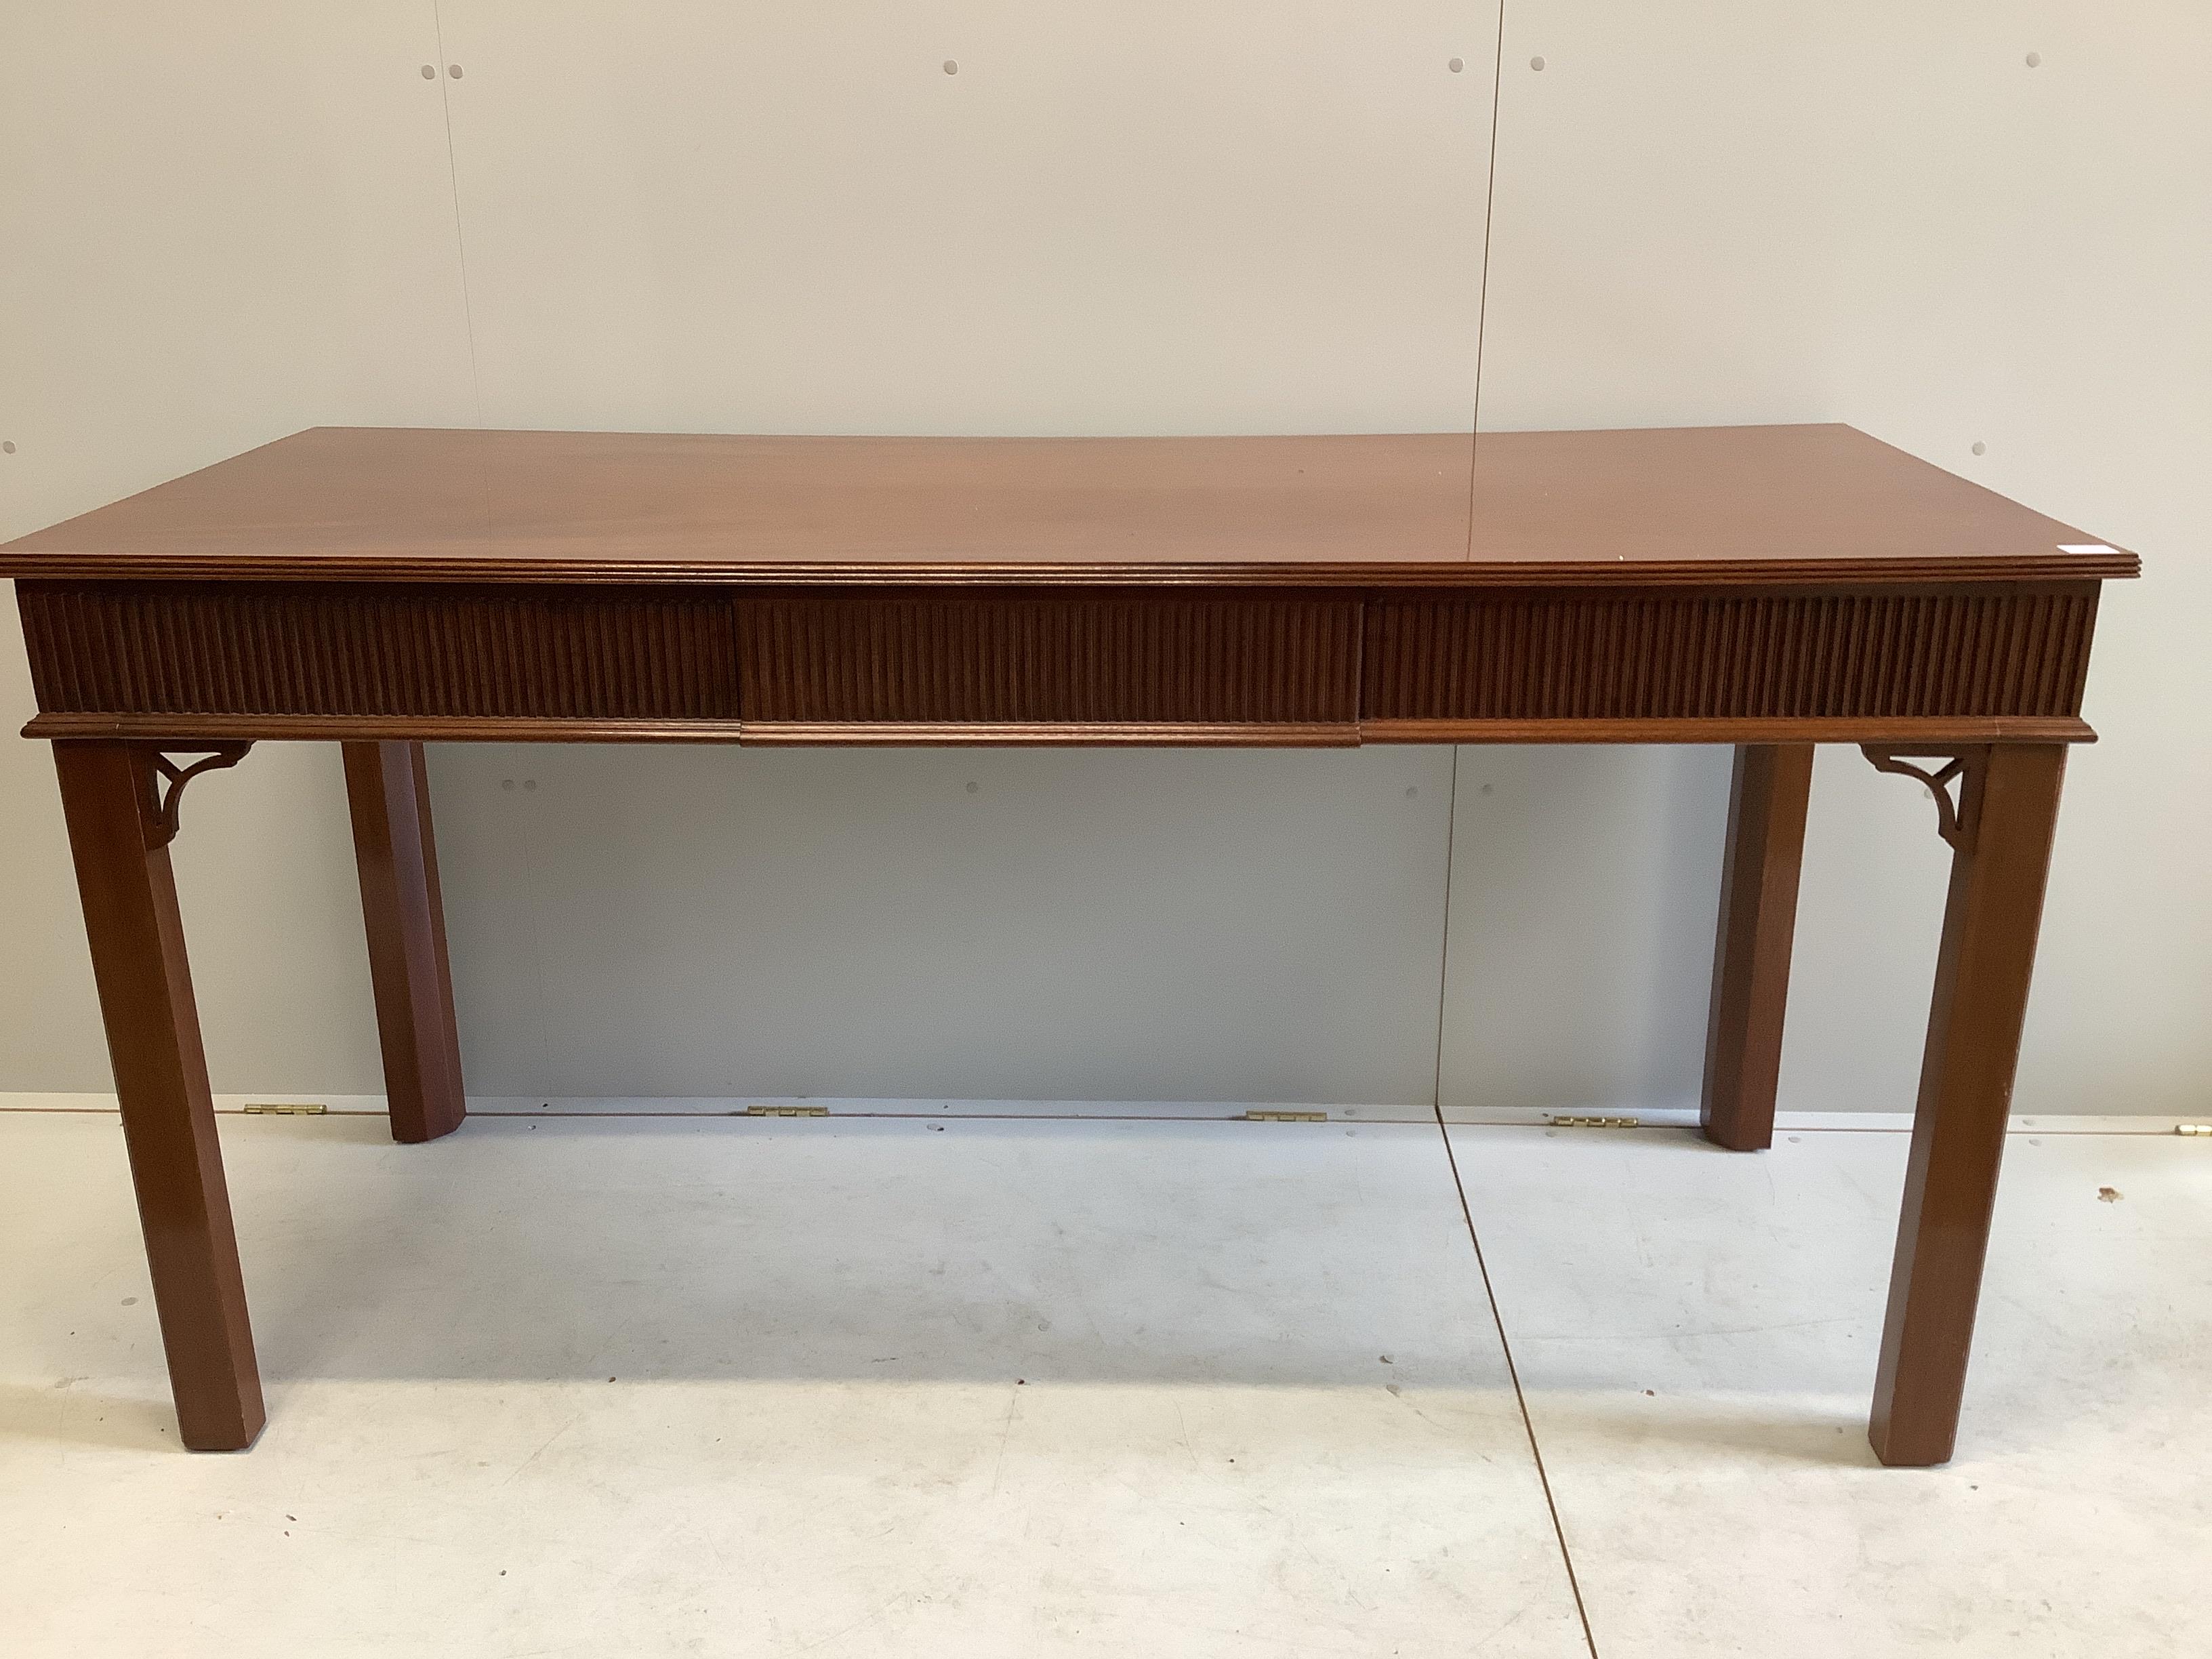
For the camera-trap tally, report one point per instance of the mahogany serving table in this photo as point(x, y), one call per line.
point(1771, 587)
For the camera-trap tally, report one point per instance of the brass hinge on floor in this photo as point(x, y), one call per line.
point(286, 1109)
point(1285, 1117)
point(786, 1111)
point(1596, 1122)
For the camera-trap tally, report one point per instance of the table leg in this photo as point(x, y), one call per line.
point(1751, 960)
point(119, 834)
point(2001, 833)
point(389, 791)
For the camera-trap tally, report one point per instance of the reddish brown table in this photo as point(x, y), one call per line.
point(1771, 587)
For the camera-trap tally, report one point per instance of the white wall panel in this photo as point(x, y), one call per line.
point(1579, 878)
point(1097, 925)
point(1882, 214)
point(1133, 216)
point(1666, 247)
point(218, 224)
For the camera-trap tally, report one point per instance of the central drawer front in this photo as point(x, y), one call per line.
point(993, 657)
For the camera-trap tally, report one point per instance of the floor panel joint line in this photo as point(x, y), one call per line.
point(1513, 1373)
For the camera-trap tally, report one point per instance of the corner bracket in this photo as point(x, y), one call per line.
point(1957, 817)
point(167, 780)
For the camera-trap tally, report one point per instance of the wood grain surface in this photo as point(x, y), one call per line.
point(1817, 503)
point(1768, 795)
point(404, 914)
point(240, 659)
point(2009, 806)
point(138, 962)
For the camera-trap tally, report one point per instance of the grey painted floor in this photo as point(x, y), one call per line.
point(689, 1385)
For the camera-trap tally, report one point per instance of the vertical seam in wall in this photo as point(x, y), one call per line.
point(1482, 284)
point(1443, 950)
point(460, 243)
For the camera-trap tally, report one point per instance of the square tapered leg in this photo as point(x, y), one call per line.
point(389, 792)
point(119, 842)
point(2007, 809)
point(1751, 959)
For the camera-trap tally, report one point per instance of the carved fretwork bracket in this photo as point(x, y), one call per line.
point(165, 779)
point(1957, 817)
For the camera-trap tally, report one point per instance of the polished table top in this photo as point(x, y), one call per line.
point(1822, 504)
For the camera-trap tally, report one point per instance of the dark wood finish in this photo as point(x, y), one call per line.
point(2009, 806)
point(1820, 504)
point(1051, 734)
point(2002, 651)
point(1941, 781)
point(1895, 733)
point(171, 775)
point(1767, 799)
point(1740, 585)
point(184, 725)
point(602, 653)
point(389, 791)
point(138, 939)
point(1944, 664)
point(1769, 587)
point(996, 657)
